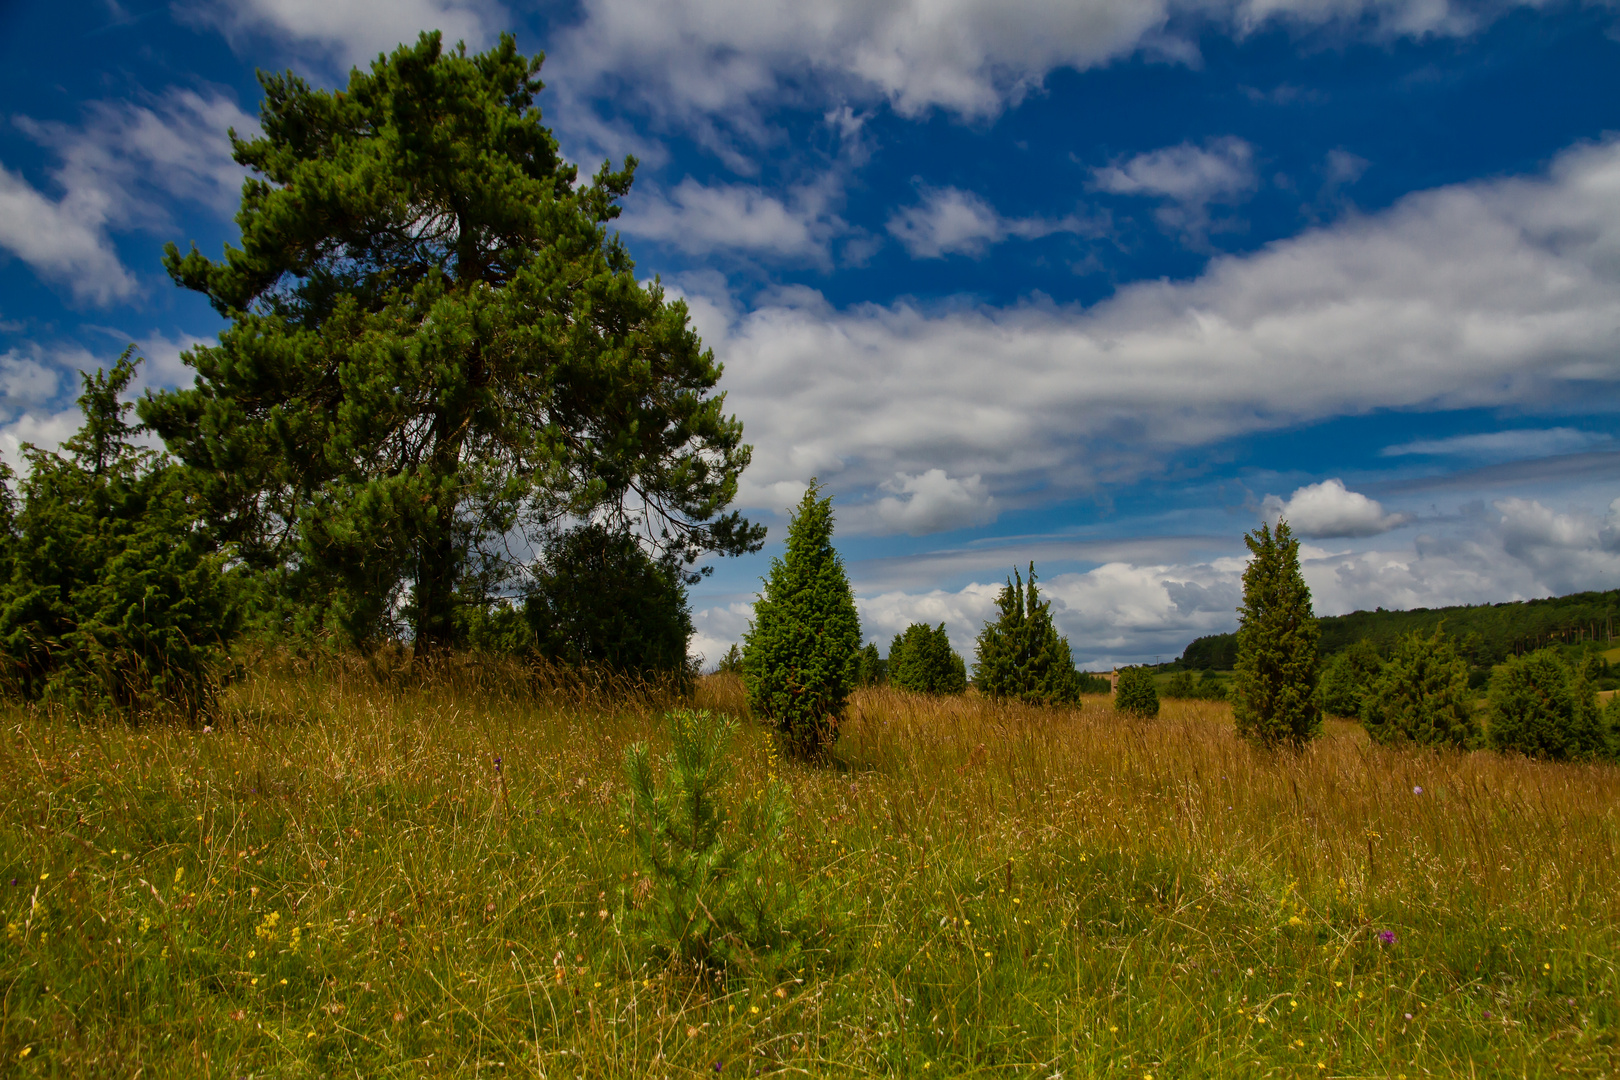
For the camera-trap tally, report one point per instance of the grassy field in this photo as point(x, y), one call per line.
point(335, 880)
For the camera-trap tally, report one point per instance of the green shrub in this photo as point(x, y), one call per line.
point(1347, 677)
point(1539, 708)
point(731, 663)
point(799, 655)
point(1136, 693)
point(1274, 681)
point(600, 599)
point(715, 894)
point(1204, 688)
point(1020, 654)
point(1421, 695)
point(922, 660)
point(871, 669)
point(118, 597)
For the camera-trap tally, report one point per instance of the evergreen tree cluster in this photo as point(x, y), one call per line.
point(921, 660)
point(1206, 687)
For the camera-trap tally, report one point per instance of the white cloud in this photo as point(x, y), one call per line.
point(1504, 445)
point(1328, 509)
point(736, 217)
point(952, 221)
point(1504, 293)
point(973, 58)
point(933, 502)
point(111, 168)
point(352, 32)
point(1188, 178)
point(62, 240)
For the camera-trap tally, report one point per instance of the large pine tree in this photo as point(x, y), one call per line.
point(1274, 696)
point(434, 341)
point(800, 654)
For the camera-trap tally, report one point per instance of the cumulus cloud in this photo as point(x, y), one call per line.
point(701, 219)
point(1329, 509)
point(933, 502)
point(62, 240)
point(351, 31)
point(114, 171)
point(1501, 293)
point(1504, 445)
point(971, 57)
point(951, 221)
point(1187, 178)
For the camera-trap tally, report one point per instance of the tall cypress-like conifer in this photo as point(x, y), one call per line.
point(1274, 683)
point(799, 659)
point(1021, 655)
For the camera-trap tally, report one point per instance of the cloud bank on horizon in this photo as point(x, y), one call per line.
point(1102, 284)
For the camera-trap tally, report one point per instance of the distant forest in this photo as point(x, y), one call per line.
point(1486, 634)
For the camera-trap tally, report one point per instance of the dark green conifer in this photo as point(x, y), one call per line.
point(799, 657)
point(1136, 693)
point(1020, 654)
point(1541, 709)
point(1274, 683)
point(921, 660)
point(1421, 695)
point(118, 597)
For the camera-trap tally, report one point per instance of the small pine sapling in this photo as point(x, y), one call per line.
point(716, 891)
point(1136, 695)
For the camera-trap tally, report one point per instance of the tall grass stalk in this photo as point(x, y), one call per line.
point(332, 880)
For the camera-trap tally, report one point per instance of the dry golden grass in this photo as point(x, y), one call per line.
point(986, 889)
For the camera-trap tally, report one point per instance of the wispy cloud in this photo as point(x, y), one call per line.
point(950, 221)
point(1504, 445)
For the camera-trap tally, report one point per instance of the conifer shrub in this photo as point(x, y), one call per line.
point(599, 599)
point(1020, 654)
point(731, 662)
point(1206, 687)
point(1539, 708)
point(1347, 677)
point(921, 660)
point(1136, 693)
point(1274, 681)
point(871, 669)
point(118, 597)
point(799, 656)
point(715, 890)
point(1421, 695)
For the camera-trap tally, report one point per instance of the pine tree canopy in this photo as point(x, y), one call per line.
point(1274, 699)
point(800, 656)
point(434, 341)
point(1020, 654)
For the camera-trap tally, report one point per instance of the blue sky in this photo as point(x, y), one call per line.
point(1099, 284)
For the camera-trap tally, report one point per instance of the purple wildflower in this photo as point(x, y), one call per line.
point(1387, 937)
point(1417, 791)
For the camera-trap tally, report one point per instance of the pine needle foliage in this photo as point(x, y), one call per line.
point(1274, 699)
point(118, 598)
point(1136, 693)
point(715, 889)
point(921, 660)
point(800, 653)
point(1020, 654)
point(1421, 695)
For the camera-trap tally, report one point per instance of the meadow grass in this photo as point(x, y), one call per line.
point(337, 880)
